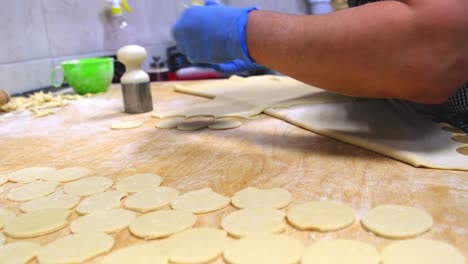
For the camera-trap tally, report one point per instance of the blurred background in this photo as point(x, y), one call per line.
point(40, 34)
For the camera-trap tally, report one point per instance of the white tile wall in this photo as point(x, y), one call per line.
point(25, 76)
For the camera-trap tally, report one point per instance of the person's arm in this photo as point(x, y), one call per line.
point(414, 50)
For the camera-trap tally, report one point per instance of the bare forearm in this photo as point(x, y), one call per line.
point(378, 50)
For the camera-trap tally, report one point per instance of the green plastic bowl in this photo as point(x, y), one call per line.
point(91, 75)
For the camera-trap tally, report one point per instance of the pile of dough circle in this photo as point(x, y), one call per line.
point(148, 253)
point(170, 123)
point(421, 251)
point(101, 201)
point(264, 249)
point(126, 125)
point(37, 223)
point(254, 221)
point(193, 125)
point(3, 178)
point(251, 197)
point(68, 174)
point(88, 186)
point(138, 182)
point(76, 248)
point(151, 200)
point(200, 201)
point(55, 200)
point(6, 216)
point(18, 252)
point(31, 191)
point(162, 223)
point(338, 251)
point(397, 221)
point(321, 216)
point(105, 221)
point(198, 245)
point(221, 124)
point(30, 174)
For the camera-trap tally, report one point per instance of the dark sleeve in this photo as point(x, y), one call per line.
point(353, 3)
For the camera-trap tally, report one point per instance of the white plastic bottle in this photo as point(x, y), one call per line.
point(121, 33)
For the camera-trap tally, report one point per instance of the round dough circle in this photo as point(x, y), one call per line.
point(254, 221)
point(76, 248)
point(222, 124)
point(68, 174)
point(337, 251)
point(397, 221)
point(3, 179)
point(421, 251)
point(453, 130)
point(151, 200)
point(6, 216)
point(30, 174)
point(193, 125)
point(88, 186)
point(251, 197)
point(162, 223)
point(463, 151)
point(190, 246)
point(106, 221)
point(55, 200)
point(138, 182)
point(126, 125)
point(460, 138)
point(148, 253)
point(200, 201)
point(37, 223)
point(169, 123)
point(321, 216)
point(32, 191)
point(100, 201)
point(264, 249)
point(18, 252)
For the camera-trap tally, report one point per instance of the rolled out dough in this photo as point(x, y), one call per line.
point(76, 248)
point(55, 200)
point(148, 253)
point(264, 249)
point(30, 174)
point(105, 221)
point(67, 174)
point(126, 125)
point(321, 216)
point(254, 221)
point(222, 124)
point(339, 251)
point(139, 182)
point(162, 223)
point(200, 201)
point(101, 201)
point(6, 216)
point(251, 197)
point(191, 247)
point(151, 200)
point(421, 251)
point(397, 221)
point(88, 186)
point(37, 223)
point(18, 252)
point(31, 191)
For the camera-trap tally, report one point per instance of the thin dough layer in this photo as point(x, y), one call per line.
point(148, 253)
point(31, 191)
point(67, 174)
point(6, 216)
point(55, 200)
point(88, 186)
point(37, 223)
point(200, 201)
point(30, 174)
point(101, 201)
point(257, 221)
point(251, 197)
point(126, 125)
point(338, 251)
point(139, 182)
point(105, 221)
point(162, 223)
point(151, 200)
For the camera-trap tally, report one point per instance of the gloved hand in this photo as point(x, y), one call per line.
point(213, 33)
point(236, 66)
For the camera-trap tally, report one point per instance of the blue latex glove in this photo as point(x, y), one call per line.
point(213, 33)
point(236, 66)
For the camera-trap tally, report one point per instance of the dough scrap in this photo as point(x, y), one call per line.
point(222, 124)
point(101, 201)
point(162, 223)
point(264, 249)
point(3, 179)
point(55, 200)
point(251, 197)
point(321, 215)
point(170, 123)
point(6, 216)
point(193, 125)
point(32, 191)
point(106, 221)
point(68, 174)
point(88, 186)
point(397, 221)
point(76, 248)
point(37, 223)
point(30, 174)
point(200, 201)
point(18, 252)
point(126, 125)
point(338, 251)
point(421, 251)
point(254, 221)
point(148, 253)
point(151, 200)
point(139, 182)
point(191, 247)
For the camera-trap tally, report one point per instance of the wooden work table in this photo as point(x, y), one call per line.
point(264, 152)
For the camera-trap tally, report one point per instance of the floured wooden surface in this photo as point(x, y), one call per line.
point(264, 153)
